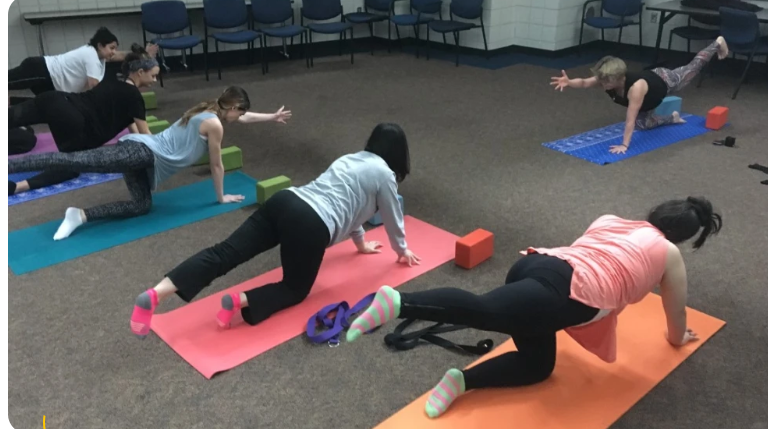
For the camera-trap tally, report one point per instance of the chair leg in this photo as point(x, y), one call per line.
point(621, 30)
point(370, 31)
point(743, 76)
point(304, 47)
point(669, 44)
point(351, 44)
point(689, 45)
point(341, 42)
point(485, 42)
point(416, 32)
point(218, 60)
point(262, 57)
point(399, 41)
point(205, 59)
point(429, 42)
point(456, 39)
point(312, 55)
point(581, 37)
point(602, 34)
point(389, 36)
point(640, 27)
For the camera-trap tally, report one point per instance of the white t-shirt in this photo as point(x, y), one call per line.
point(70, 71)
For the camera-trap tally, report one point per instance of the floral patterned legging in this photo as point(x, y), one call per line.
point(676, 80)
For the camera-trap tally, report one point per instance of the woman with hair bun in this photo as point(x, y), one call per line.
point(87, 120)
point(580, 288)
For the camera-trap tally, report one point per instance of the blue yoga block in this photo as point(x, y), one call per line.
point(376, 219)
point(669, 105)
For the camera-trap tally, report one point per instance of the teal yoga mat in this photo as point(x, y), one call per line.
point(33, 248)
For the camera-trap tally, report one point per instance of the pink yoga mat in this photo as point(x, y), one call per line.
point(45, 144)
point(345, 275)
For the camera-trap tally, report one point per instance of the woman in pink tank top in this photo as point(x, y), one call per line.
point(579, 288)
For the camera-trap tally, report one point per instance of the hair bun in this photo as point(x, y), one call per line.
point(138, 49)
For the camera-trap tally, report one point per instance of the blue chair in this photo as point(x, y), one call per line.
point(270, 12)
point(324, 10)
point(741, 31)
point(164, 17)
point(691, 32)
point(372, 13)
point(226, 15)
point(466, 9)
point(424, 14)
point(621, 11)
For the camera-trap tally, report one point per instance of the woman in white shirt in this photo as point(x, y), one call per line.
point(75, 71)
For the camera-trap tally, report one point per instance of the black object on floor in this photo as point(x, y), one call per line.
point(400, 341)
point(759, 167)
point(11, 188)
point(729, 142)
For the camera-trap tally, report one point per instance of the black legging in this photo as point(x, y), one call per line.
point(531, 307)
point(285, 220)
point(133, 159)
point(21, 140)
point(31, 74)
point(67, 125)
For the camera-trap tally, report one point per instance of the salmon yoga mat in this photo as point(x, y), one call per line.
point(584, 392)
point(345, 275)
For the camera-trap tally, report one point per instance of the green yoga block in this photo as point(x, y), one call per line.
point(266, 188)
point(150, 100)
point(151, 119)
point(231, 157)
point(158, 127)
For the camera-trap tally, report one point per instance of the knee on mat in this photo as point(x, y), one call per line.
point(296, 294)
point(640, 125)
point(540, 370)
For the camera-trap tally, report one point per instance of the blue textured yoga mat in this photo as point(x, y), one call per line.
point(593, 146)
point(33, 248)
point(86, 179)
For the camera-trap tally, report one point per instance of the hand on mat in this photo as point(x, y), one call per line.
point(410, 258)
point(282, 115)
point(560, 82)
point(232, 199)
point(618, 149)
point(369, 247)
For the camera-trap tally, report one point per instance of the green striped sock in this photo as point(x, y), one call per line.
point(385, 307)
point(443, 395)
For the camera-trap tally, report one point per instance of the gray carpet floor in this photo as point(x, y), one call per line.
point(477, 162)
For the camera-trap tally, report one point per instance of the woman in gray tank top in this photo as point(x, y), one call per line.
point(147, 160)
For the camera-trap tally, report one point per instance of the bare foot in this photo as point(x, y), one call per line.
point(722, 49)
point(677, 119)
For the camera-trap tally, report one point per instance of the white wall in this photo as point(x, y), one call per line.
point(543, 24)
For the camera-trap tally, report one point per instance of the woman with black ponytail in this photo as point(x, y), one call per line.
point(89, 119)
point(580, 288)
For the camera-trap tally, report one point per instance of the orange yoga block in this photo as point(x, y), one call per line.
point(717, 117)
point(474, 248)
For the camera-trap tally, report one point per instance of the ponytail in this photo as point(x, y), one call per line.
point(233, 97)
point(680, 220)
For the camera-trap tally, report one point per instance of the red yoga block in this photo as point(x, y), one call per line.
point(474, 248)
point(717, 117)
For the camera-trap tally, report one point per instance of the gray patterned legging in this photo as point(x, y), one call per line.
point(676, 80)
point(131, 158)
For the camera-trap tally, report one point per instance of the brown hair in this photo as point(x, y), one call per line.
point(232, 97)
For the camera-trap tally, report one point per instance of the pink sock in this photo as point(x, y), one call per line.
point(230, 303)
point(141, 319)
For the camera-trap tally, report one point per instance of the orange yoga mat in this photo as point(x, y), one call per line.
point(584, 392)
point(345, 275)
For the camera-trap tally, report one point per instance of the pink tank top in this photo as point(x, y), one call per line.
point(616, 262)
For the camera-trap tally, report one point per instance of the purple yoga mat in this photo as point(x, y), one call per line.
point(45, 144)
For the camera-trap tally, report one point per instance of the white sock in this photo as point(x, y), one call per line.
point(72, 220)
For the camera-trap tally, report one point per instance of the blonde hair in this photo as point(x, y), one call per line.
point(610, 69)
point(232, 97)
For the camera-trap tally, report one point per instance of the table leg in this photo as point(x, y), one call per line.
point(40, 45)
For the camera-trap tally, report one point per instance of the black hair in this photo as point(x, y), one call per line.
point(388, 141)
point(102, 37)
point(680, 220)
point(137, 53)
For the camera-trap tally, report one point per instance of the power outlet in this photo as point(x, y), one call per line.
point(655, 18)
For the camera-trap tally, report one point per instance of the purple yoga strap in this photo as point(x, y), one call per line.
point(336, 324)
